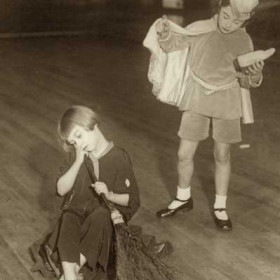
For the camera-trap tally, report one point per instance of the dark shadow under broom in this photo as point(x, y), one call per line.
point(133, 260)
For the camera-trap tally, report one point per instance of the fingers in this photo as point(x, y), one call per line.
point(162, 25)
point(100, 187)
point(260, 64)
point(165, 23)
point(255, 68)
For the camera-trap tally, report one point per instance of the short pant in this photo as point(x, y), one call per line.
point(195, 127)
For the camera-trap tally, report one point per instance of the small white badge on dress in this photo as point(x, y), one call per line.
point(127, 182)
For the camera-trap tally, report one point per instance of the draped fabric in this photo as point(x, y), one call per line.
point(175, 75)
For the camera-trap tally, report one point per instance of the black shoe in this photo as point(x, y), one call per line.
point(223, 225)
point(46, 255)
point(166, 212)
point(162, 250)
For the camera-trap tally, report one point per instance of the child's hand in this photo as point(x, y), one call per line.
point(80, 154)
point(162, 27)
point(255, 71)
point(101, 187)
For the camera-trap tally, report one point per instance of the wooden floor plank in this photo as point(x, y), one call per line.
point(40, 78)
point(11, 265)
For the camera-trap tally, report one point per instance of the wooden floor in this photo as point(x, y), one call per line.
point(40, 78)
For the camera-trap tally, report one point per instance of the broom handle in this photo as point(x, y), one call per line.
point(93, 180)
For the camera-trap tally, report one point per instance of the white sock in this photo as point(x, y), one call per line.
point(220, 202)
point(182, 194)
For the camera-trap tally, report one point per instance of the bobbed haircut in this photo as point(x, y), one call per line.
point(218, 4)
point(76, 115)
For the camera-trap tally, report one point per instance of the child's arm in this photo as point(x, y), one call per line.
point(170, 41)
point(66, 182)
point(120, 199)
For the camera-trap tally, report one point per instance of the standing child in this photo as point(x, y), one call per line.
point(214, 97)
point(85, 232)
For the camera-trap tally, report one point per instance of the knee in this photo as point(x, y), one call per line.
point(184, 157)
point(69, 222)
point(222, 157)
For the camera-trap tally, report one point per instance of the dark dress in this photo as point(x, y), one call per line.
point(85, 225)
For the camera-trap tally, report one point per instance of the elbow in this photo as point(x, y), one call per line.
point(60, 192)
point(59, 189)
point(134, 204)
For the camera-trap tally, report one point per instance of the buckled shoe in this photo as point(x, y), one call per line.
point(223, 225)
point(166, 212)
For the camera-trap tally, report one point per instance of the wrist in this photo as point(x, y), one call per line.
point(110, 196)
point(79, 160)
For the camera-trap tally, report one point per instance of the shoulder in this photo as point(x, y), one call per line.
point(120, 153)
point(117, 155)
point(202, 26)
point(244, 38)
point(242, 33)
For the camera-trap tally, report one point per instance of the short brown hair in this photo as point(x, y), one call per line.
point(217, 4)
point(216, 7)
point(76, 115)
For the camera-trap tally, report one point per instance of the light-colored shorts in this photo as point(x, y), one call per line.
point(196, 127)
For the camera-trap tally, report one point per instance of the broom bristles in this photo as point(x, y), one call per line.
point(134, 262)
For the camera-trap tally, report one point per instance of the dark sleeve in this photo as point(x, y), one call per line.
point(134, 198)
point(126, 183)
point(64, 167)
point(67, 162)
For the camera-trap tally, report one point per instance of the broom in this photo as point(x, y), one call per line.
point(133, 260)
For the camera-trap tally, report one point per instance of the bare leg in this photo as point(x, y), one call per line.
point(183, 199)
point(82, 263)
point(69, 267)
point(185, 165)
point(83, 260)
point(222, 177)
point(223, 167)
point(69, 271)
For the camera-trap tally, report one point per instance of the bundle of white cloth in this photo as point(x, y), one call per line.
point(168, 72)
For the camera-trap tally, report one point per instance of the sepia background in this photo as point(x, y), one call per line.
point(57, 53)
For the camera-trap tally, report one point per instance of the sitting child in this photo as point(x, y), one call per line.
point(84, 232)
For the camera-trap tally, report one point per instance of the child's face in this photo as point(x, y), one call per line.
point(82, 138)
point(227, 21)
